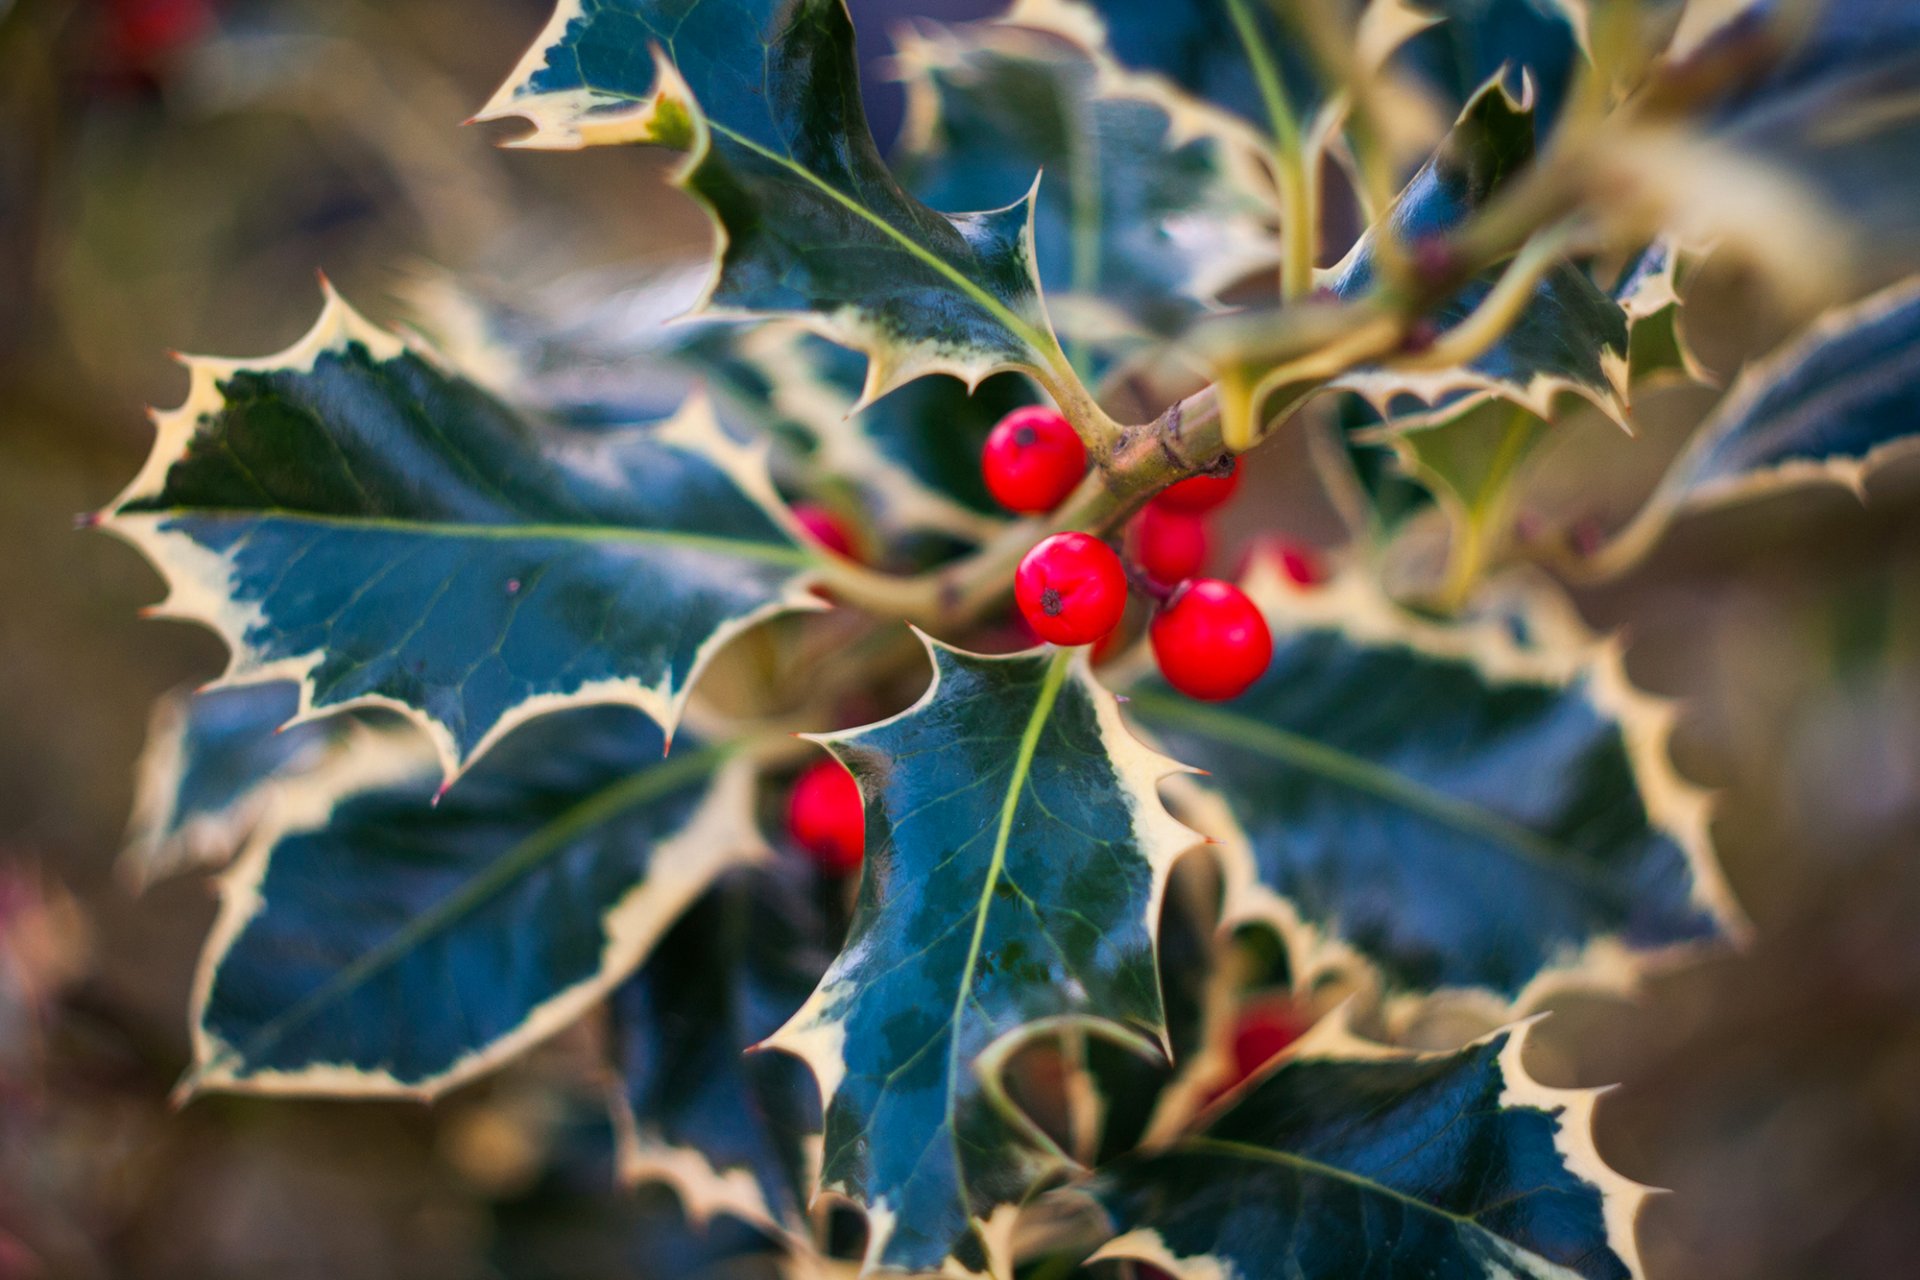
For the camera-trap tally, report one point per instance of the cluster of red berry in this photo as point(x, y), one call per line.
point(1207, 636)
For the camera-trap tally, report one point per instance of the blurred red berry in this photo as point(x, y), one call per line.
point(1210, 640)
point(1071, 588)
point(1200, 493)
point(1170, 545)
point(1032, 460)
point(825, 528)
point(826, 817)
point(1302, 564)
point(1263, 1029)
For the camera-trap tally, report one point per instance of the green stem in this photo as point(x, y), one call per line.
point(1290, 169)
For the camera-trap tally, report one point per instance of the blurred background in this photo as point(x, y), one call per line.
point(173, 172)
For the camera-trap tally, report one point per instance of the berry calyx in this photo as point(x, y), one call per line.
point(825, 528)
point(1210, 640)
point(1032, 460)
point(1200, 493)
point(826, 818)
point(1071, 589)
point(1170, 546)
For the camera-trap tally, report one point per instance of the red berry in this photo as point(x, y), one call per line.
point(1200, 493)
point(1170, 545)
point(1071, 588)
point(826, 816)
point(825, 528)
point(1033, 460)
point(1302, 564)
point(1210, 641)
point(1264, 1028)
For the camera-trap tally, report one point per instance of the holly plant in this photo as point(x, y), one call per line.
point(890, 713)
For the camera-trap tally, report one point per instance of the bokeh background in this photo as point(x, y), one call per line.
point(172, 173)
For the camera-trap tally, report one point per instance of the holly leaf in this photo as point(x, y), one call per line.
point(729, 1132)
point(1649, 292)
point(1455, 807)
point(1829, 408)
point(1350, 1159)
point(1142, 219)
point(352, 516)
point(765, 101)
point(1519, 41)
point(1016, 857)
point(1568, 337)
point(373, 941)
point(1240, 64)
point(209, 765)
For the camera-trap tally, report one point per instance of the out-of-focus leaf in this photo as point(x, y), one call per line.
point(1350, 1159)
point(210, 761)
point(1016, 857)
point(1522, 41)
point(1826, 409)
point(371, 941)
point(728, 1130)
point(350, 514)
point(1649, 291)
point(1458, 809)
point(1570, 337)
point(765, 99)
point(1138, 225)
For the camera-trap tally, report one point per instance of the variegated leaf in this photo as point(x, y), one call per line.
point(1649, 291)
point(1138, 225)
point(733, 1133)
point(1016, 858)
point(765, 101)
point(210, 763)
point(351, 515)
point(1568, 337)
point(1446, 805)
point(1348, 1159)
point(1826, 409)
point(372, 941)
point(1540, 41)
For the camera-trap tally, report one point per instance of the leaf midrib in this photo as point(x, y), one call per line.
point(1343, 767)
point(522, 859)
point(770, 552)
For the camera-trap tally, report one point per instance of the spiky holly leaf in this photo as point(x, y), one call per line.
point(1016, 858)
point(1461, 810)
point(372, 941)
point(1139, 224)
point(210, 761)
point(765, 99)
point(729, 1131)
point(1540, 41)
point(1242, 64)
point(1826, 409)
point(1649, 291)
point(1569, 336)
point(351, 515)
point(1349, 1159)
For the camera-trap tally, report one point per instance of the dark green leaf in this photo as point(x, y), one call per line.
point(1350, 1160)
point(1137, 226)
point(765, 98)
point(727, 1129)
point(350, 514)
point(1016, 856)
point(1463, 810)
point(210, 762)
point(1476, 40)
point(1827, 409)
point(373, 941)
point(1570, 337)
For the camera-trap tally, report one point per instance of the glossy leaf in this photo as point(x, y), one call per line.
point(1522, 41)
point(373, 941)
point(1016, 857)
point(1569, 337)
point(1826, 409)
point(210, 762)
point(728, 1130)
point(765, 100)
point(349, 514)
point(1138, 225)
point(1460, 810)
point(1349, 1159)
